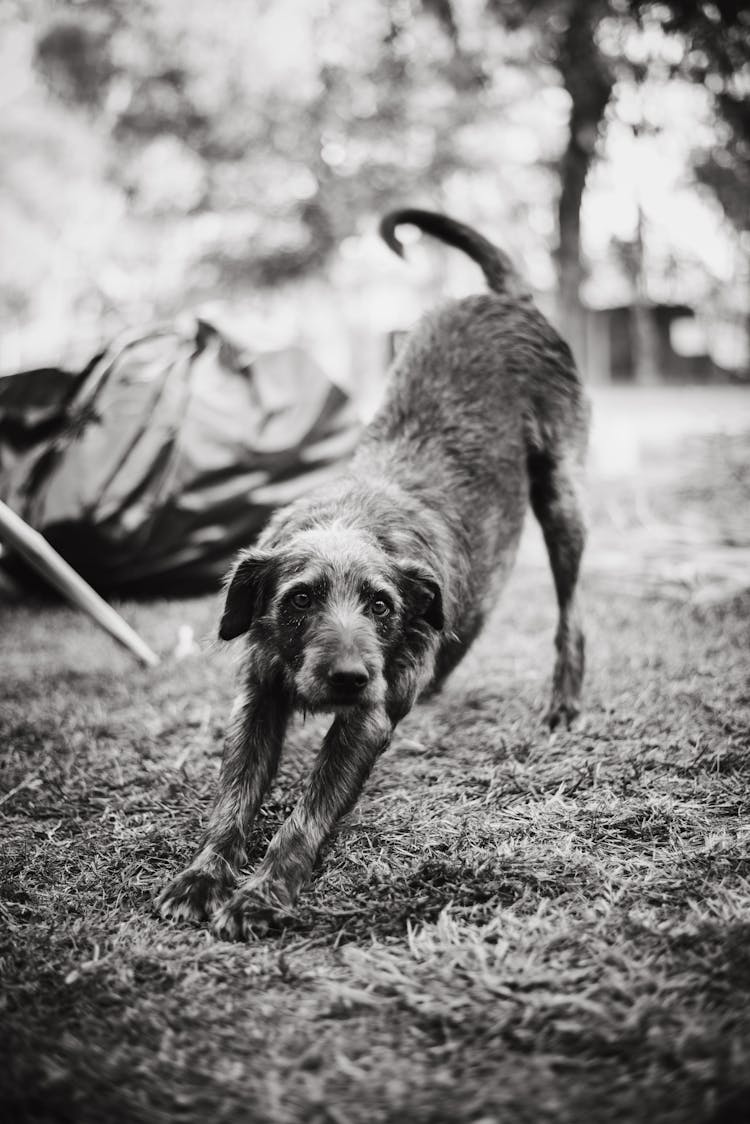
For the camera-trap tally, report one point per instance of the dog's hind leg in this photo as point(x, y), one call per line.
point(251, 755)
point(554, 500)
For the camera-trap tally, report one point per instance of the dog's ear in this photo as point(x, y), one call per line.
point(248, 590)
point(422, 594)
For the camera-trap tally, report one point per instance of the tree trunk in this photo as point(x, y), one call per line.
point(589, 81)
point(645, 338)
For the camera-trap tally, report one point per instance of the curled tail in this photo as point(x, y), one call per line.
point(495, 264)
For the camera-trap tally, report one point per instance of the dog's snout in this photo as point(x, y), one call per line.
point(348, 675)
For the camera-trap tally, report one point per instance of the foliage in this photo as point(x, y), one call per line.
point(716, 38)
point(330, 127)
point(169, 151)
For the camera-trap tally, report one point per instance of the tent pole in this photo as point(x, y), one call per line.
point(39, 554)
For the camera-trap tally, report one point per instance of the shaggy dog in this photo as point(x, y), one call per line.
point(362, 596)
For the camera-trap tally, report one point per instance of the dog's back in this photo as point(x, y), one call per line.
point(490, 345)
point(490, 392)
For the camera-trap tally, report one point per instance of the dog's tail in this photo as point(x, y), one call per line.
point(497, 267)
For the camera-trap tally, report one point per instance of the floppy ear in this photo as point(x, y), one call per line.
point(422, 594)
point(247, 592)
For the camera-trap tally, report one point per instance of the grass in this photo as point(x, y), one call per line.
point(509, 927)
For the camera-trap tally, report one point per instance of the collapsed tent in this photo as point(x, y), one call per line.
point(149, 469)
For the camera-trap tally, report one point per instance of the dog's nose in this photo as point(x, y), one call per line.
point(349, 676)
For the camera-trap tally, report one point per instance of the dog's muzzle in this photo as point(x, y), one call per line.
point(347, 679)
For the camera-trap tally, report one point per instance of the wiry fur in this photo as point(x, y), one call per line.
point(484, 411)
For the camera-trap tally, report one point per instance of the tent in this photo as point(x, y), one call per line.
point(150, 468)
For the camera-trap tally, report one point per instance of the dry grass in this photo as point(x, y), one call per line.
point(510, 927)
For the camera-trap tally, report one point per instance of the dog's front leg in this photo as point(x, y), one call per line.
point(251, 756)
point(350, 749)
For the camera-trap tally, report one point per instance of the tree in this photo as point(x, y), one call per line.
point(288, 124)
point(306, 157)
point(566, 31)
point(717, 52)
point(717, 56)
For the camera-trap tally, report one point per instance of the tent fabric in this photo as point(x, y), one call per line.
point(169, 452)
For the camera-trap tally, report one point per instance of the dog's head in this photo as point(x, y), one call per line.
point(335, 611)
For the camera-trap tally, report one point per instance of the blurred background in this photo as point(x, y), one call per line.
point(232, 158)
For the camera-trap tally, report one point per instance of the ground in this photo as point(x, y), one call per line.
point(511, 926)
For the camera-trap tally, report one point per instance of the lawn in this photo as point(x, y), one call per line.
point(510, 926)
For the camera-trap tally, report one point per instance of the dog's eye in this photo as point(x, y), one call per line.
point(301, 599)
point(380, 608)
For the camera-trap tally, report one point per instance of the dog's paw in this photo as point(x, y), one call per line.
point(247, 916)
point(562, 712)
point(194, 895)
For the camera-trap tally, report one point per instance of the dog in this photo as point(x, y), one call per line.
point(362, 597)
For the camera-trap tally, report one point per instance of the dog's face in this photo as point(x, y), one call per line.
point(335, 610)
